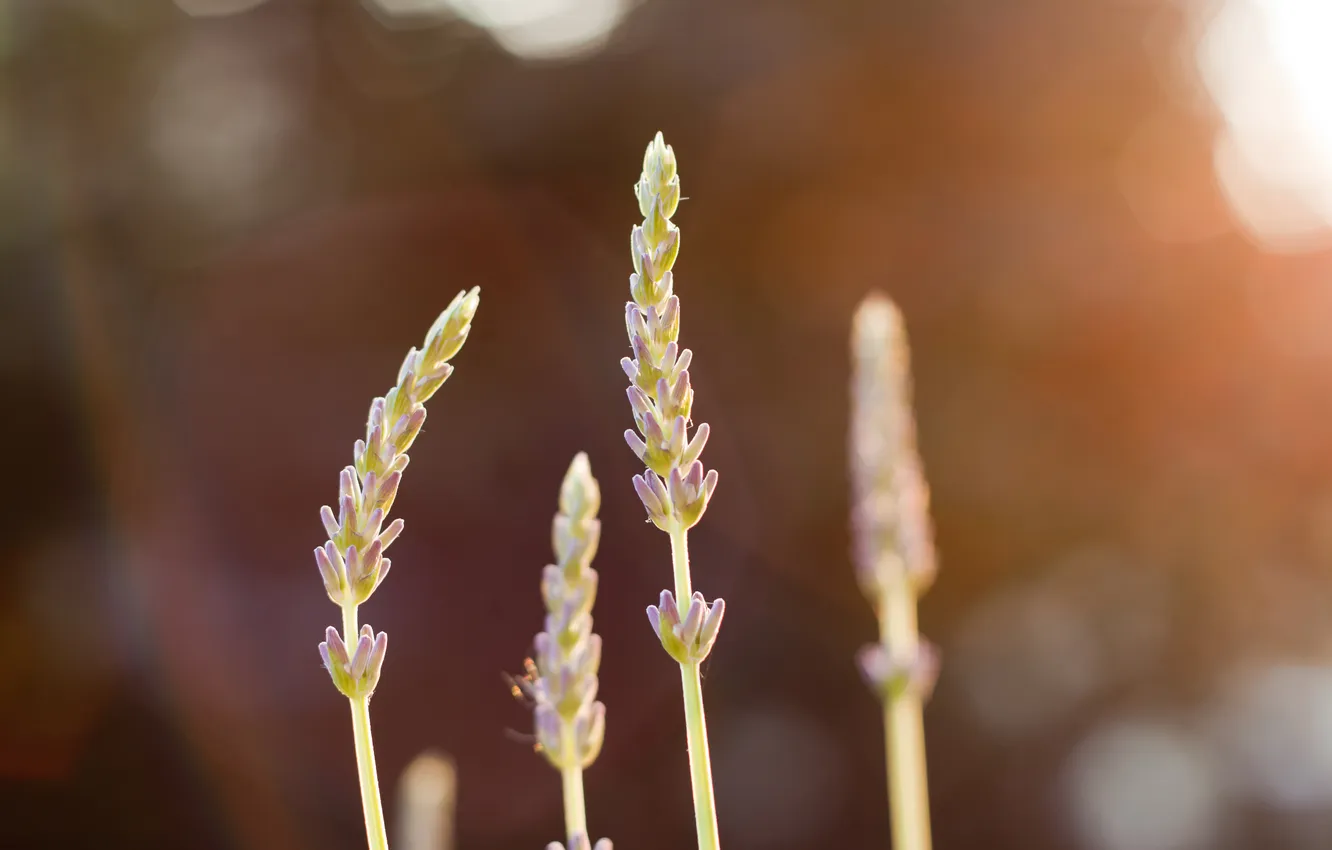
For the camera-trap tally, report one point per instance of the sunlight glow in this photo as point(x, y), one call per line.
point(545, 29)
point(216, 8)
point(1267, 68)
point(529, 29)
point(1143, 785)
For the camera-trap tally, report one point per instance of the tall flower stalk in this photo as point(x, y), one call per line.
point(894, 554)
point(562, 681)
point(674, 488)
point(352, 561)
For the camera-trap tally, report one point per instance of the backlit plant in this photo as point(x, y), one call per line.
point(892, 540)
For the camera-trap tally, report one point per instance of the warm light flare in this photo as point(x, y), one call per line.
point(1269, 72)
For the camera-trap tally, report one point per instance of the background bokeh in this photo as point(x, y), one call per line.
point(223, 222)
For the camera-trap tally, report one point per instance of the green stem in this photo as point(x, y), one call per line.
point(904, 728)
point(696, 727)
point(575, 809)
point(375, 835)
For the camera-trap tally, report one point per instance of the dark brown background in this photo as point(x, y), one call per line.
point(1124, 409)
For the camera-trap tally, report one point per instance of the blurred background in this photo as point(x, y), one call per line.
point(223, 222)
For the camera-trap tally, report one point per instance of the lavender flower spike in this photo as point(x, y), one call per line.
point(894, 554)
point(562, 681)
point(351, 562)
point(355, 673)
point(674, 488)
point(661, 396)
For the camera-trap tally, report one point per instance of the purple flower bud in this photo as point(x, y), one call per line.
point(372, 524)
point(650, 499)
point(391, 533)
point(636, 444)
point(636, 323)
point(658, 488)
point(360, 659)
point(668, 608)
point(656, 438)
point(347, 486)
point(711, 625)
point(670, 316)
point(329, 520)
point(668, 355)
point(374, 439)
point(892, 676)
point(638, 242)
point(347, 514)
point(640, 402)
point(377, 654)
point(590, 733)
point(664, 255)
point(667, 402)
point(406, 429)
point(330, 569)
point(695, 446)
point(547, 654)
point(427, 385)
point(693, 480)
point(677, 437)
point(687, 631)
point(682, 362)
point(642, 354)
point(409, 362)
point(333, 649)
point(388, 488)
point(648, 264)
point(552, 585)
point(680, 497)
point(589, 661)
point(547, 723)
point(709, 484)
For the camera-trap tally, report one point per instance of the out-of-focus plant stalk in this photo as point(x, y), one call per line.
point(904, 731)
point(571, 781)
point(674, 488)
point(562, 679)
point(352, 562)
point(894, 555)
point(427, 796)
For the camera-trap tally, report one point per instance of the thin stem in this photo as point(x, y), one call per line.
point(680, 564)
point(700, 766)
point(904, 728)
point(375, 835)
point(575, 809)
point(696, 727)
